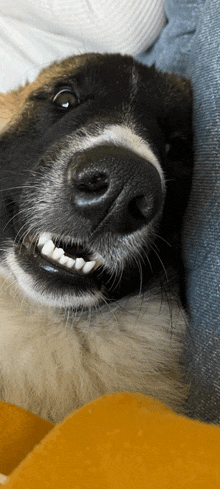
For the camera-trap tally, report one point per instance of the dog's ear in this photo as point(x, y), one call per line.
point(175, 112)
point(7, 102)
point(9, 105)
point(171, 98)
point(168, 98)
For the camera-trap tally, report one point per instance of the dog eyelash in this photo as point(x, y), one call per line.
point(65, 99)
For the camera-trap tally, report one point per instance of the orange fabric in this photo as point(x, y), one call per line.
point(123, 440)
point(20, 430)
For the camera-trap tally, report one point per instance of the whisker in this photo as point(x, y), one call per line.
point(117, 279)
point(144, 257)
point(140, 273)
point(162, 239)
point(161, 262)
point(20, 187)
point(12, 218)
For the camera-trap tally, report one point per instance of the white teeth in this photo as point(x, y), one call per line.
point(79, 263)
point(89, 265)
point(44, 237)
point(70, 263)
point(48, 248)
point(58, 252)
point(63, 260)
point(98, 258)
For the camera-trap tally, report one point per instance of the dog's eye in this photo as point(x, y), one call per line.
point(65, 99)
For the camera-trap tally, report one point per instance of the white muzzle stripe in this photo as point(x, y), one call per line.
point(122, 136)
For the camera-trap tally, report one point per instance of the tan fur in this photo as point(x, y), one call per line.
point(9, 104)
point(52, 368)
point(15, 110)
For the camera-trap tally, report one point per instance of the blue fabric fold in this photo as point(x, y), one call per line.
point(172, 49)
point(190, 44)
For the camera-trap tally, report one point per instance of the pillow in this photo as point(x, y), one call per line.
point(34, 33)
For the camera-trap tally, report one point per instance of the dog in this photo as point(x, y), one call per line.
point(96, 166)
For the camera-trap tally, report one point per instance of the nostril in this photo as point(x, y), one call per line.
point(143, 208)
point(91, 184)
point(136, 207)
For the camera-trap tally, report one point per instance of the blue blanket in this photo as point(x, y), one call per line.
point(190, 44)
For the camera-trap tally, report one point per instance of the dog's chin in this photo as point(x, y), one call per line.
point(47, 283)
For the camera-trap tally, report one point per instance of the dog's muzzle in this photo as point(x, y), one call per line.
point(91, 214)
point(112, 188)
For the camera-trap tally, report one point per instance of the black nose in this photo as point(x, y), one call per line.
point(114, 186)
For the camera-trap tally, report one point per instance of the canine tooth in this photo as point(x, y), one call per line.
point(58, 252)
point(79, 263)
point(44, 237)
point(70, 263)
point(89, 265)
point(98, 258)
point(48, 247)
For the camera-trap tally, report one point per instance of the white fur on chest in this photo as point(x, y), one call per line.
point(52, 365)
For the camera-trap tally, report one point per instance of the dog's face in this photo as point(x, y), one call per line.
point(93, 157)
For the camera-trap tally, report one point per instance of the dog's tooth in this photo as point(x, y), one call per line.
point(63, 260)
point(57, 253)
point(79, 263)
point(98, 258)
point(44, 237)
point(48, 247)
point(70, 263)
point(89, 265)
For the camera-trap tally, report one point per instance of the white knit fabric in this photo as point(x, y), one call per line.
point(34, 33)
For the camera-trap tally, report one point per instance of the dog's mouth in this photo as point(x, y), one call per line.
point(59, 256)
point(57, 270)
point(62, 254)
point(61, 270)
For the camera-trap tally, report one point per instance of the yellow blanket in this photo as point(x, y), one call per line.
point(120, 441)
